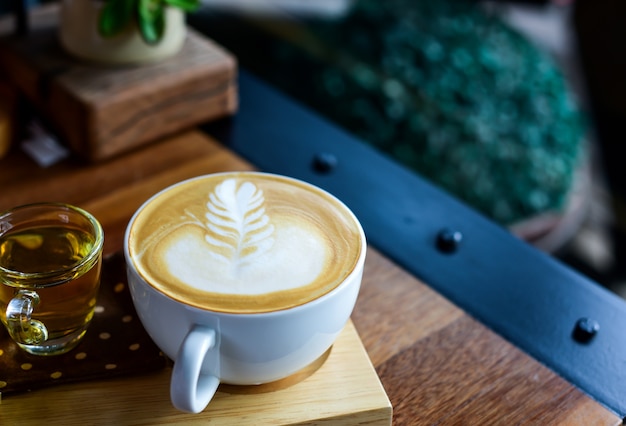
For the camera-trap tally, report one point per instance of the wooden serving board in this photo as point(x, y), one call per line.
point(343, 390)
point(101, 111)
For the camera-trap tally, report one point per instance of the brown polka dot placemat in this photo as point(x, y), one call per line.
point(115, 343)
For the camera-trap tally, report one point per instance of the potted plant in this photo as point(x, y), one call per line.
point(124, 31)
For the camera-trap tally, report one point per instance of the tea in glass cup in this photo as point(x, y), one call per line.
point(50, 261)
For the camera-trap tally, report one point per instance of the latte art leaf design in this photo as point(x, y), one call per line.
point(238, 226)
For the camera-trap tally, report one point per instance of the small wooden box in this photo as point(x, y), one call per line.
point(100, 111)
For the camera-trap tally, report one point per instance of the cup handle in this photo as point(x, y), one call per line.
point(190, 390)
point(21, 326)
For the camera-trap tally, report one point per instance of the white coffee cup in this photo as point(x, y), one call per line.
point(252, 345)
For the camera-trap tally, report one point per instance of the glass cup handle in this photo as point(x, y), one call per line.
point(21, 326)
point(190, 389)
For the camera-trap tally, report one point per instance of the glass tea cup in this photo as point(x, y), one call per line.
point(50, 261)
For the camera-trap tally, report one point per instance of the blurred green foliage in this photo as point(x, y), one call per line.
point(449, 91)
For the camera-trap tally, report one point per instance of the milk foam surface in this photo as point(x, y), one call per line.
point(280, 268)
point(244, 242)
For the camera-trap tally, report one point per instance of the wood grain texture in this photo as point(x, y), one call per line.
point(437, 365)
point(102, 111)
point(441, 366)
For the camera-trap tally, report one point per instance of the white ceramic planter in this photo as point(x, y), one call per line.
point(78, 33)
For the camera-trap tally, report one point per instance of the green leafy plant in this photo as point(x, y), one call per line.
point(149, 16)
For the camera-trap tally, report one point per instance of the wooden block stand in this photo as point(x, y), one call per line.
point(343, 390)
point(100, 111)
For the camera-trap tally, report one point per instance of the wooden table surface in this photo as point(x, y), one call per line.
point(437, 364)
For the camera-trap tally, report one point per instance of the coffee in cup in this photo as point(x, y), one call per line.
point(244, 243)
point(264, 270)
